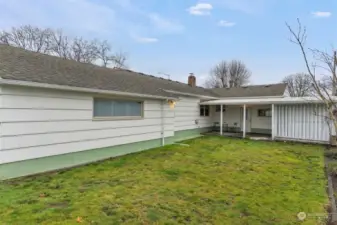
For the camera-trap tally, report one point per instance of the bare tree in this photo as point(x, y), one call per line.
point(327, 83)
point(55, 42)
point(117, 60)
point(28, 37)
point(84, 51)
point(228, 74)
point(323, 60)
point(298, 85)
point(103, 53)
point(60, 45)
point(328, 63)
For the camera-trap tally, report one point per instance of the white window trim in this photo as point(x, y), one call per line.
point(108, 118)
point(203, 114)
point(266, 109)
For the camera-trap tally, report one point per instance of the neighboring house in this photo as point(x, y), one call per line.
point(58, 113)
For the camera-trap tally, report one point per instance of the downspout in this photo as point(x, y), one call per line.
point(163, 123)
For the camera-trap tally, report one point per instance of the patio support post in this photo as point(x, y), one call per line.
point(221, 119)
point(244, 121)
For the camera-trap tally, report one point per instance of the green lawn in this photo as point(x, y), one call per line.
point(214, 180)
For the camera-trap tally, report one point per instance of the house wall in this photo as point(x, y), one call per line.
point(186, 112)
point(260, 125)
point(233, 115)
point(44, 130)
point(39, 123)
point(301, 122)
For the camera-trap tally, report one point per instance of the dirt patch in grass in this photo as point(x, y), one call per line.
point(58, 205)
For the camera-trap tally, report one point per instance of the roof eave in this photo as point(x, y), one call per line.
point(192, 95)
point(265, 101)
point(253, 97)
point(79, 89)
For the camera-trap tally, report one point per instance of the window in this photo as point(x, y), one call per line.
point(117, 108)
point(218, 108)
point(264, 112)
point(204, 110)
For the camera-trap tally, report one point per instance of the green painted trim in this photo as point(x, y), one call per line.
point(260, 131)
point(189, 134)
point(39, 165)
point(45, 164)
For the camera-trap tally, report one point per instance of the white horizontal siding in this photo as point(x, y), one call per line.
point(39, 102)
point(41, 92)
point(29, 115)
point(187, 111)
point(28, 128)
point(39, 122)
point(55, 149)
point(301, 122)
point(23, 115)
point(24, 141)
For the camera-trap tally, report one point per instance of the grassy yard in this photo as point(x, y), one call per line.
point(214, 180)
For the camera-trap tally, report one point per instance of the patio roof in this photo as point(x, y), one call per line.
point(264, 101)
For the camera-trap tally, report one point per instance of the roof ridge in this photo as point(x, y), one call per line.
point(253, 85)
point(51, 56)
point(152, 76)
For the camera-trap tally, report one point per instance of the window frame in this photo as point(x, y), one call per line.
point(102, 118)
point(265, 112)
point(202, 110)
point(218, 108)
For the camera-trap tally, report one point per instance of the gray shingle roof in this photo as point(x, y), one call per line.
point(23, 65)
point(252, 91)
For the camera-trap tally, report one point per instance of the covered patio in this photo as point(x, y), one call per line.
point(300, 119)
point(250, 117)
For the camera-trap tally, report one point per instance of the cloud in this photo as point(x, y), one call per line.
point(200, 9)
point(224, 23)
point(78, 17)
point(164, 24)
point(245, 6)
point(321, 14)
point(111, 20)
point(146, 39)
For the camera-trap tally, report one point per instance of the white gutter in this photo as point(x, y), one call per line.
point(78, 89)
point(193, 95)
point(251, 97)
point(218, 98)
point(263, 101)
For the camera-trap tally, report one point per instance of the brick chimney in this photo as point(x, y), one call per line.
point(192, 80)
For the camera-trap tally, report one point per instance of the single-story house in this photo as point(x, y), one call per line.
point(58, 113)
